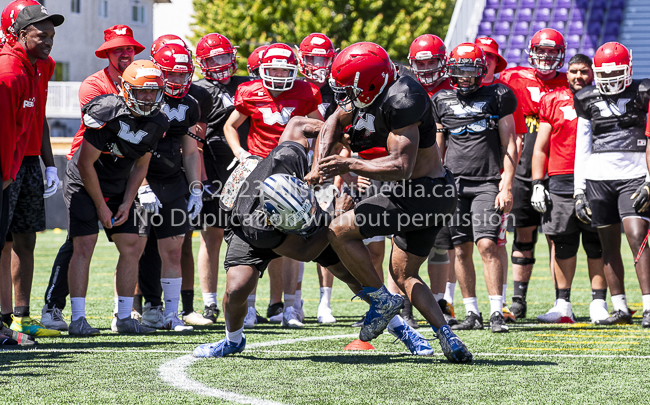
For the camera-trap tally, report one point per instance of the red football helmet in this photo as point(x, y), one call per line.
point(546, 38)
point(254, 61)
point(466, 61)
point(360, 73)
point(8, 19)
point(167, 39)
point(217, 57)
point(315, 55)
point(427, 58)
point(612, 68)
point(176, 60)
point(278, 56)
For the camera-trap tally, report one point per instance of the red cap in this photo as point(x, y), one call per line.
point(489, 45)
point(115, 37)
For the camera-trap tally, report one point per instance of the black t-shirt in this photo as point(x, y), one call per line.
point(618, 121)
point(403, 103)
point(223, 104)
point(474, 150)
point(202, 96)
point(328, 106)
point(561, 184)
point(122, 139)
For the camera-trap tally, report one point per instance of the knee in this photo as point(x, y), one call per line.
point(342, 227)
point(566, 246)
point(463, 252)
point(24, 244)
point(487, 247)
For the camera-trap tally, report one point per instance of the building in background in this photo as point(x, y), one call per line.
point(174, 17)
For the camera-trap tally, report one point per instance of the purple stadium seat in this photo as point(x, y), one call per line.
point(558, 26)
point(492, 4)
point(617, 4)
point(502, 28)
point(609, 38)
point(543, 14)
point(564, 3)
point(521, 28)
point(528, 3)
point(507, 14)
point(517, 41)
point(591, 41)
point(536, 26)
point(513, 55)
point(597, 14)
point(511, 65)
point(509, 3)
point(500, 39)
point(485, 29)
point(560, 14)
point(576, 27)
point(545, 3)
point(612, 29)
point(615, 15)
point(594, 28)
point(569, 54)
point(599, 4)
point(588, 51)
point(573, 41)
point(489, 15)
point(525, 14)
point(582, 4)
point(578, 14)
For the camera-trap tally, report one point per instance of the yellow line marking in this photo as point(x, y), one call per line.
point(556, 349)
point(591, 336)
point(571, 342)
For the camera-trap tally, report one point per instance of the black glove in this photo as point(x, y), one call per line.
point(641, 198)
point(583, 211)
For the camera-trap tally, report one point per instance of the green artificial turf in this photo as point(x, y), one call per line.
point(533, 364)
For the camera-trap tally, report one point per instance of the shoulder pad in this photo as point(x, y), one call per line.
point(644, 86)
point(587, 93)
point(102, 109)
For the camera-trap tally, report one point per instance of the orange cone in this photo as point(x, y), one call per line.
point(359, 345)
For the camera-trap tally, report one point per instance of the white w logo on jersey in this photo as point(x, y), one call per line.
point(130, 136)
point(272, 118)
point(177, 114)
point(366, 122)
point(226, 100)
point(608, 109)
point(323, 106)
point(535, 94)
point(569, 113)
point(468, 110)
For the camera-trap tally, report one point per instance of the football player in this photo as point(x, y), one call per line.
point(254, 61)
point(102, 180)
point(554, 154)
point(546, 55)
point(611, 173)
point(394, 112)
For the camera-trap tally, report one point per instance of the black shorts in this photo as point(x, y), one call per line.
point(83, 219)
point(476, 218)
point(413, 211)
point(522, 213)
point(212, 214)
point(560, 217)
point(443, 239)
point(26, 198)
point(172, 220)
point(610, 200)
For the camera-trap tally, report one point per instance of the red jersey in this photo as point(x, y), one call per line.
point(18, 107)
point(270, 115)
point(556, 108)
point(520, 120)
point(44, 71)
point(95, 85)
point(443, 85)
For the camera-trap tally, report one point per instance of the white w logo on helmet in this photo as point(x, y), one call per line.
point(272, 118)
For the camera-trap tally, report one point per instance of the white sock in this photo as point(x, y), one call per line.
point(172, 290)
point(78, 307)
point(325, 296)
point(115, 306)
point(450, 289)
point(396, 322)
point(471, 305)
point(298, 302)
point(496, 304)
point(439, 296)
point(124, 307)
point(251, 300)
point(235, 336)
point(620, 303)
point(209, 298)
point(301, 271)
point(563, 306)
point(289, 300)
point(503, 293)
point(646, 302)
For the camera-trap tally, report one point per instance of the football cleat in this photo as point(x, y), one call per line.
point(598, 310)
point(131, 326)
point(383, 307)
point(21, 338)
point(114, 323)
point(274, 312)
point(560, 313)
point(251, 318)
point(407, 314)
point(646, 319)
point(358, 323)
point(472, 321)
point(8, 343)
point(617, 318)
point(220, 348)
point(290, 318)
point(325, 315)
point(507, 315)
point(497, 323)
point(152, 316)
point(449, 317)
point(452, 347)
point(136, 315)
point(211, 313)
point(300, 312)
point(81, 327)
point(414, 341)
point(194, 318)
point(32, 327)
point(518, 307)
point(53, 319)
point(173, 323)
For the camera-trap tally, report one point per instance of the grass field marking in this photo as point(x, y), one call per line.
point(555, 349)
point(566, 335)
point(576, 342)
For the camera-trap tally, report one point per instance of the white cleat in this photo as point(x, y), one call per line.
point(251, 318)
point(598, 310)
point(325, 315)
point(277, 318)
point(172, 322)
point(195, 318)
point(290, 318)
point(152, 316)
point(53, 319)
point(300, 312)
point(114, 323)
point(562, 312)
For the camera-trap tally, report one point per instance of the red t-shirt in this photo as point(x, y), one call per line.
point(269, 115)
point(44, 71)
point(95, 85)
point(443, 85)
point(556, 108)
point(520, 120)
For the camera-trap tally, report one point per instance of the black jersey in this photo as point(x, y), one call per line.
point(403, 103)
point(470, 124)
point(202, 96)
point(618, 121)
point(328, 106)
point(223, 104)
point(122, 139)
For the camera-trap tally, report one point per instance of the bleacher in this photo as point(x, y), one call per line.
point(634, 35)
point(585, 24)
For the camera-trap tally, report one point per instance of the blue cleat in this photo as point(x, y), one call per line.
point(452, 347)
point(220, 348)
point(383, 307)
point(413, 340)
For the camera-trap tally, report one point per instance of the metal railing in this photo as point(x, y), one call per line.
point(63, 100)
point(464, 22)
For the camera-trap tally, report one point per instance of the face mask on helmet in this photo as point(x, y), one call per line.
point(546, 59)
point(278, 77)
point(177, 84)
point(144, 100)
point(612, 80)
point(428, 71)
point(317, 67)
point(218, 67)
point(466, 78)
point(346, 96)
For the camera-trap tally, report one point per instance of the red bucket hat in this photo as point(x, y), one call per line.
point(489, 45)
point(115, 37)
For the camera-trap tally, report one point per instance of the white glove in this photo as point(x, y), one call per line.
point(243, 154)
point(194, 206)
point(538, 199)
point(51, 181)
point(149, 200)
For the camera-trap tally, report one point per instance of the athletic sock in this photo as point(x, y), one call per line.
point(563, 294)
point(439, 296)
point(301, 271)
point(137, 303)
point(620, 303)
point(115, 304)
point(6, 318)
point(236, 336)
point(450, 289)
point(124, 307)
point(646, 302)
point(172, 292)
point(599, 294)
point(520, 288)
point(187, 296)
point(298, 302)
point(77, 308)
point(21, 311)
point(251, 301)
point(496, 304)
point(471, 305)
point(503, 293)
point(396, 322)
point(289, 300)
point(209, 299)
point(325, 296)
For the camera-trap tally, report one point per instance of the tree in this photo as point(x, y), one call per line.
point(392, 24)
